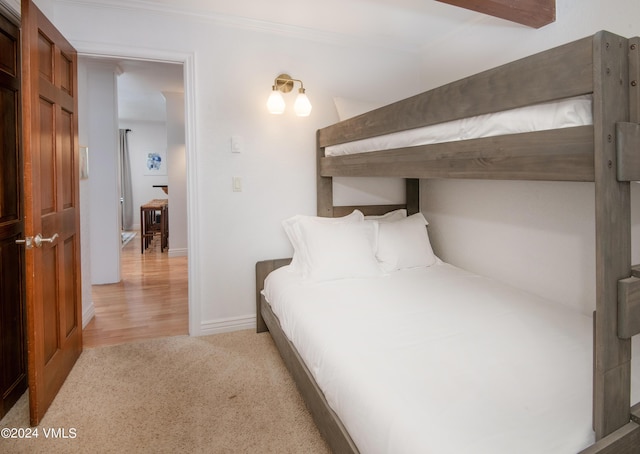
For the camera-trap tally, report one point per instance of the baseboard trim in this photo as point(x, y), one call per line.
point(225, 325)
point(178, 252)
point(88, 313)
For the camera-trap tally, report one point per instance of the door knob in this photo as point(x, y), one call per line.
point(30, 241)
point(38, 240)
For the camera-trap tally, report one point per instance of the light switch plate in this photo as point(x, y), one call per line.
point(236, 184)
point(236, 144)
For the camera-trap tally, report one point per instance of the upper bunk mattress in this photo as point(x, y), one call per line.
point(439, 360)
point(566, 113)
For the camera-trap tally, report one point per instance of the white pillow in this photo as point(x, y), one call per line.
point(291, 227)
point(340, 250)
point(391, 216)
point(404, 244)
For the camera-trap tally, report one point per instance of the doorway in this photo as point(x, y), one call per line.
point(151, 297)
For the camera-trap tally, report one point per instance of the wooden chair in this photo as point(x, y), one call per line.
point(154, 221)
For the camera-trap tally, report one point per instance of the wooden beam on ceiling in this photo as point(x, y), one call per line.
point(533, 13)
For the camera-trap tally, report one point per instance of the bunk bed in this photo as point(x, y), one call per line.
point(605, 68)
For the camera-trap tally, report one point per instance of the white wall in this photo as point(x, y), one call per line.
point(176, 153)
point(100, 134)
point(233, 70)
point(491, 42)
point(539, 236)
point(145, 137)
point(535, 235)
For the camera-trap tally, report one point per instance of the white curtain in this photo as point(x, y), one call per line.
point(126, 199)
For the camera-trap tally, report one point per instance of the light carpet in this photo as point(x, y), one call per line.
point(226, 393)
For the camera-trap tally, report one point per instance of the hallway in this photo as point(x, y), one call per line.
point(150, 301)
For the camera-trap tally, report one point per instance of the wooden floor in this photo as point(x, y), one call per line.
point(150, 301)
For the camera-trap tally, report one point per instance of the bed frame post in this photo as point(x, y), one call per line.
point(612, 368)
point(413, 195)
point(263, 268)
point(324, 191)
point(634, 80)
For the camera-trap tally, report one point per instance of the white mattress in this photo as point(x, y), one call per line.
point(565, 113)
point(438, 360)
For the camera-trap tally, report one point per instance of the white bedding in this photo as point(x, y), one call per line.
point(565, 113)
point(438, 360)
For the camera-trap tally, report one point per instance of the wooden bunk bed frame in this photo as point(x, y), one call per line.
point(605, 66)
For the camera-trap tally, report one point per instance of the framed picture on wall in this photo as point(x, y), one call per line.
point(156, 163)
point(84, 162)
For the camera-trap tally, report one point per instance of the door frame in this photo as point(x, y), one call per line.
point(15, 228)
point(88, 49)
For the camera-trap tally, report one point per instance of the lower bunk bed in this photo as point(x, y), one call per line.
point(425, 357)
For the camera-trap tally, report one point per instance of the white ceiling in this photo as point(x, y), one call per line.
point(141, 84)
point(140, 88)
point(405, 24)
point(409, 25)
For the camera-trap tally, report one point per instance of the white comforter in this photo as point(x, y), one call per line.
point(438, 360)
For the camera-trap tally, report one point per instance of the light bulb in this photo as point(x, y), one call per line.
point(275, 103)
point(302, 106)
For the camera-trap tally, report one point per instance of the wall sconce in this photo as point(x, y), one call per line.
point(284, 83)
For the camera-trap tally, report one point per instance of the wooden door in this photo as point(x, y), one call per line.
point(13, 343)
point(51, 178)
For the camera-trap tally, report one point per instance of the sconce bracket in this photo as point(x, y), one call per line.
point(284, 83)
